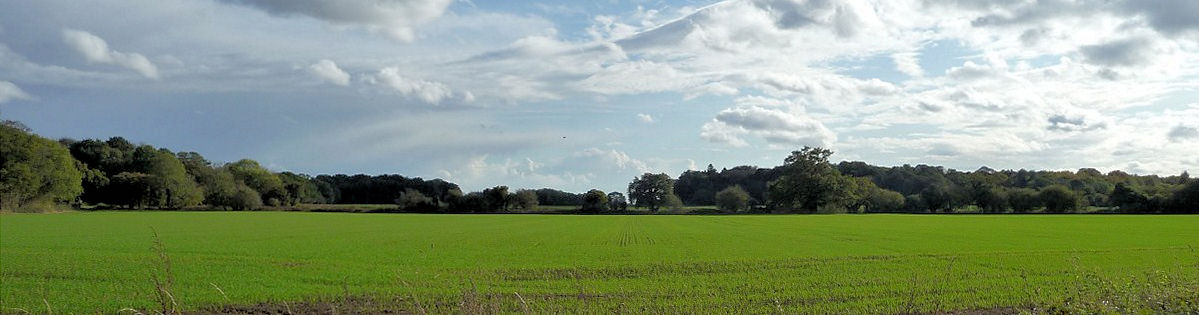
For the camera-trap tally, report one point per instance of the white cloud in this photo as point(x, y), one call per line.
point(328, 71)
point(394, 18)
point(908, 63)
point(579, 171)
point(10, 92)
point(645, 118)
point(431, 92)
point(774, 126)
point(95, 49)
point(1036, 84)
point(638, 77)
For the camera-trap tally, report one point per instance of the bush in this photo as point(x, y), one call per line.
point(732, 199)
point(525, 199)
point(1185, 200)
point(245, 198)
point(882, 200)
point(595, 201)
point(673, 202)
point(1023, 200)
point(414, 200)
point(1060, 199)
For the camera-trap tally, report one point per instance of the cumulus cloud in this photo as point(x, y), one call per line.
point(774, 126)
point(645, 118)
point(395, 18)
point(95, 49)
point(10, 92)
point(328, 71)
point(431, 92)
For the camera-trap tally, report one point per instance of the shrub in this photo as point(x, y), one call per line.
point(732, 199)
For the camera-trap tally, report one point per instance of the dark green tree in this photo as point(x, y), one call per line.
point(1130, 200)
point(1023, 200)
point(526, 199)
point(595, 200)
point(1060, 199)
point(651, 191)
point(937, 198)
point(807, 181)
point(497, 198)
point(1186, 199)
point(299, 188)
point(414, 200)
point(170, 185)
point(617, 201)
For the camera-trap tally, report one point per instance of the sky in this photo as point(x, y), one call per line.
point(578, 95)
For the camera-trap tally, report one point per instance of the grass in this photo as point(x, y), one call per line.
point(86, 262)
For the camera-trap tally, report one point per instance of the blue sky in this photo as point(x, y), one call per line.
point(588, 94)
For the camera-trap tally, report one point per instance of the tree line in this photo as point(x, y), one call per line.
point(36, 172)
point(807, 182)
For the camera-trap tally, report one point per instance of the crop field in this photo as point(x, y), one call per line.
point(89, 262)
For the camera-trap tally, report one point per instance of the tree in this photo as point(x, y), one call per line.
point(35, 169)
point(299, 188)
point(1129, 199)
point(936, 197)
point(554, 197)
point(244, 198)
point(616, 201)
point(673, 202)
point(982, 187)
point(169, 184)
point(991, 200)
point(1023, 200)
point(131, 190)
point(1060, 199)
point(267, 184)
point(1185, 200)
point(414, 200)
point(472, 202)
point(807, 182)
point(697, 187)
point(595, 200)
point(651, 191)
point(732, 199)
point(525, 199)
point(882, 200)
point(497, 198)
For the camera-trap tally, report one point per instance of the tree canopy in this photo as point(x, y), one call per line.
point(807, 181)
point(651, 191)
point(35, 169)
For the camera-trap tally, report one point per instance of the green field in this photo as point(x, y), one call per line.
point(103, 262)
